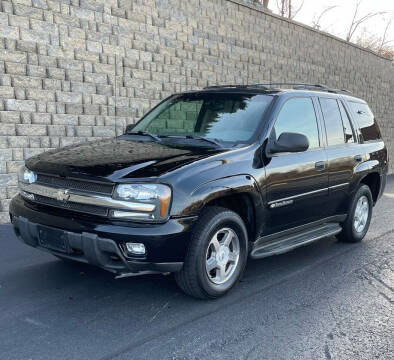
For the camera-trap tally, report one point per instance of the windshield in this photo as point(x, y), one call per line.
point(223, 117)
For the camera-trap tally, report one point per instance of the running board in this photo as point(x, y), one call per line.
point(284, 242)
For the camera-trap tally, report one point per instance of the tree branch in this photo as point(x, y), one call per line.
point(349, 35)
point(384, 37)
point(356, 22)
point(293, 14)
point(316, 24)
point(363, 19)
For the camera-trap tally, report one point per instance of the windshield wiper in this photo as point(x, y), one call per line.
point(145, 133)
point(212, 141)
point(194, 137)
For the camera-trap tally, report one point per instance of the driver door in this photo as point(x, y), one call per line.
point(296, 183)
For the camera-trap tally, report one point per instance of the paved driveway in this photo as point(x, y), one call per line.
point(325, 301)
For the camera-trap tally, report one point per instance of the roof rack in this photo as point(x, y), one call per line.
point(295, 86)
point(243, 86)
point(306, 86)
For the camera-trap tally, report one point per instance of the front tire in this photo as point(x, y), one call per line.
point(216, 256)
point(358, 220)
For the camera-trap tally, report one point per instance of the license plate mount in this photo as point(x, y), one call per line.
point(53, 239)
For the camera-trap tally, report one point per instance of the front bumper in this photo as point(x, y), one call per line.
point(102, 243)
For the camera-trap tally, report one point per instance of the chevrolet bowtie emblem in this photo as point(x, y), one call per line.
point(62, 195)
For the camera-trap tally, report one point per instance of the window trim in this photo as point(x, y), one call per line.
point(311, 98)
point(355, 137)
point(353, 120)
point(336, 99)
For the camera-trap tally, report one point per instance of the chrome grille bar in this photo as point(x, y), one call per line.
point(65, 195)
point(74, 184)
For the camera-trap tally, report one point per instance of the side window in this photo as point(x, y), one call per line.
point(368, 127)
point(298, 116)
point(333, 121)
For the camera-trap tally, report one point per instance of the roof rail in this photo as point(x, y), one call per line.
point(240, 86)
point(306, 86)
point(295, 86)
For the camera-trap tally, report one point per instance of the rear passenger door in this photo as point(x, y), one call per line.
point(342, 152)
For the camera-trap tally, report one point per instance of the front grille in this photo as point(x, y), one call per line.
point(73, 184)
point(84, 208)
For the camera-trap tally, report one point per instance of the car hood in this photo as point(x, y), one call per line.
point(118, 158)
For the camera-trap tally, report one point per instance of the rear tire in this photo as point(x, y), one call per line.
point(216, 256)
point(358, 220)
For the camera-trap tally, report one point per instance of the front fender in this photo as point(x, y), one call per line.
point(211, 190)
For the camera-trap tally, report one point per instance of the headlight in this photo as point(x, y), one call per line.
point(26, 176)
point(158, 195)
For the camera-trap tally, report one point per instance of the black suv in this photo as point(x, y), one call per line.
point(207, 179)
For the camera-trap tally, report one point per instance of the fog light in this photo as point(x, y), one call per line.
point(135, 248)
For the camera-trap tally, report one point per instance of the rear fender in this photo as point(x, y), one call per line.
point(362, 170)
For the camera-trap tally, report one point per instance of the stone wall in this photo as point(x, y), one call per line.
point(75, 70)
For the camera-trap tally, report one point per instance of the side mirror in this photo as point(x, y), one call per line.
point(288, 142)
point(129, 127)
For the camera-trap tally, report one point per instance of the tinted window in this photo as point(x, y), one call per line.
point(368, 127)
point(347, 127)
point(333, 121)
point(226, 117)
point(298, 116)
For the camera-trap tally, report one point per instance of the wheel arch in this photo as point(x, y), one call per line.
point(372, 180)
point(238, 193)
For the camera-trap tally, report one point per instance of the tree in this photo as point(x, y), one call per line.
point(264, 2)
point(384, 40)
point(358, 20)
point(287, 9)
point(379, 44)
point(316, 23)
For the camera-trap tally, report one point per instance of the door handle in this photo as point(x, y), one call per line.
point(358, 158)
point(320, 165)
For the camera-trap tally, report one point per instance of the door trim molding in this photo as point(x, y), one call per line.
point(338, 186)
point(298, 196)
point(288, 200)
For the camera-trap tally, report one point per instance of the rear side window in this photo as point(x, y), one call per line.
point(347, 127)
point(333, 121)
point(368, 127)
point(298, 116)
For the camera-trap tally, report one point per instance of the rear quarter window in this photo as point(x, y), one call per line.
point(366, 121)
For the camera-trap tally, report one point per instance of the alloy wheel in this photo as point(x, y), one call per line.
point(361, 214)
point(222, 256)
